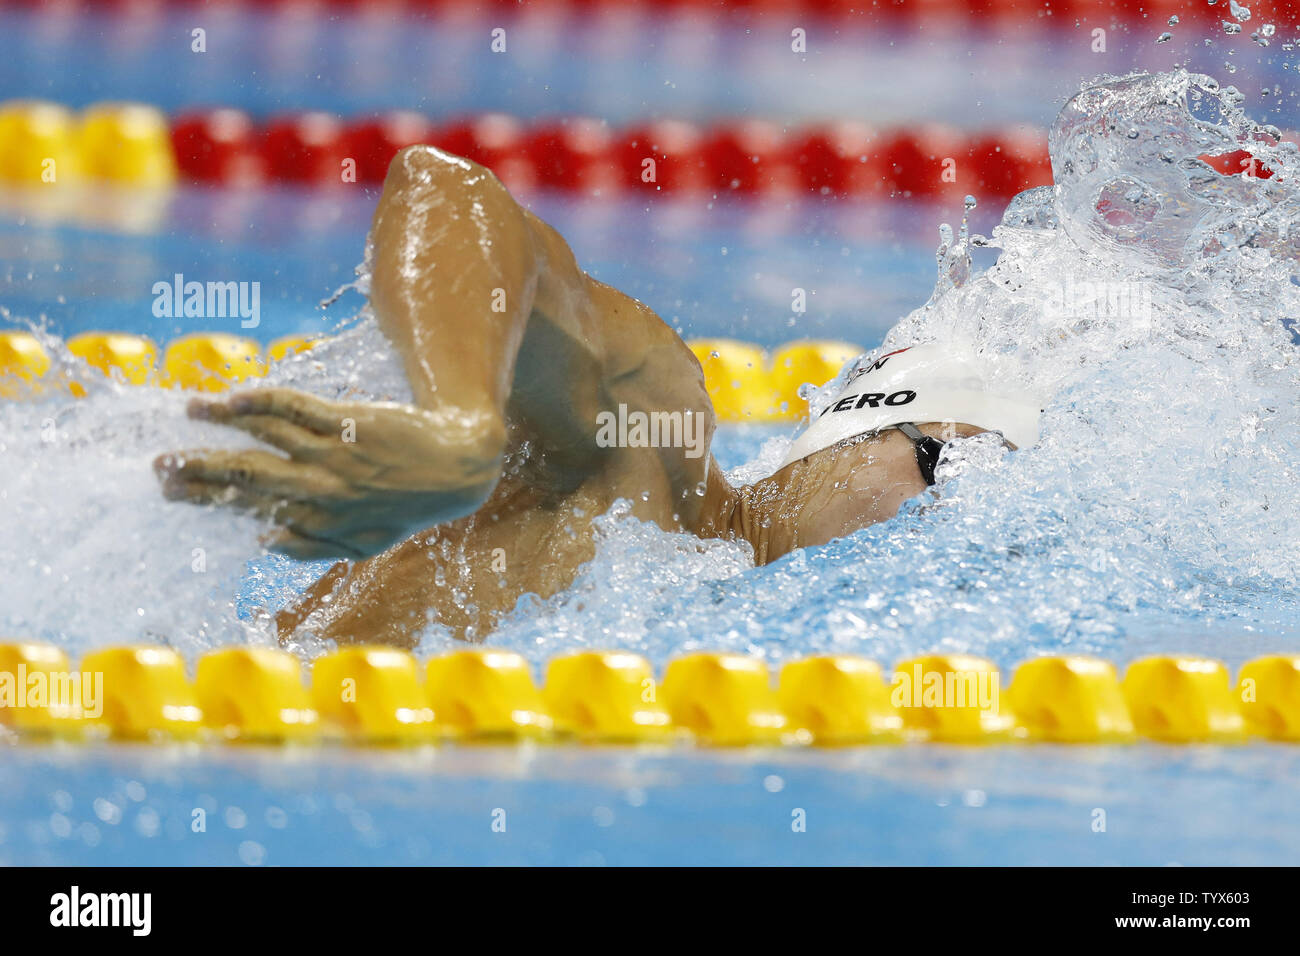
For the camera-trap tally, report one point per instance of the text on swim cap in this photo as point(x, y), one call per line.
point(872, 400)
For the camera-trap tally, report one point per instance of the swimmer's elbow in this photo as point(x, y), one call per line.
point(424, 167)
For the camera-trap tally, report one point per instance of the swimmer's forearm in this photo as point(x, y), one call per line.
point(454, 273)
point(487, 306)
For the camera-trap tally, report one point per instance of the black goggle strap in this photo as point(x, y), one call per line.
point(928, 450)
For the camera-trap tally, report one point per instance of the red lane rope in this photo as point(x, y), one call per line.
point(968, 13)
point(579, 154)
point(584, 155)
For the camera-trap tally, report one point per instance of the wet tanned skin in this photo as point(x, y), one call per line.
point(485, 489)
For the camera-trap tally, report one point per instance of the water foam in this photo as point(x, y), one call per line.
point(92, 553)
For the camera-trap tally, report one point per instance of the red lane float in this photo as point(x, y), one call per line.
point(748, 157)
point(664, 155)
point(575, 154)
point(374, 142)
point(924, 14)
point(1238, 162)
point(497, 141)
point(925, 162)
point(834, 159)
point(306, 148)
point(219, 146)
point(1006, 15)
point(584, 155)
point(580, 154)
point(1009, 161)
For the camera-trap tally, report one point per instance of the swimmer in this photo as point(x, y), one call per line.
point(486, 488)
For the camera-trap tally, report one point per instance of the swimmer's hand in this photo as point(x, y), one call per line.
point(358, 477)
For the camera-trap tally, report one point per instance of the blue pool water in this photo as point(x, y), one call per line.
point(575, 806)
point(1099, 541)
point(620, 65)
point(708, 269)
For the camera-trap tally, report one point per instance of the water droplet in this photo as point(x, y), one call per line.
point(252, 853)
point(147, 822)
point(107, 810)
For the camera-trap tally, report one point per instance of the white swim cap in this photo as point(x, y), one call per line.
point(924, 383)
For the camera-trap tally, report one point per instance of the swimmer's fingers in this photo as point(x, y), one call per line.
point(304, 526)
point(298, 442)
point(282, 511)
point(298, 535)
point(197, 475)
point(309, 412)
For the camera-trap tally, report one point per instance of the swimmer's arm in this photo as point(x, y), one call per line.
point(492, 315)
point(828, 495)
point(462, 280)
point(458, 270)
point(780, 513)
